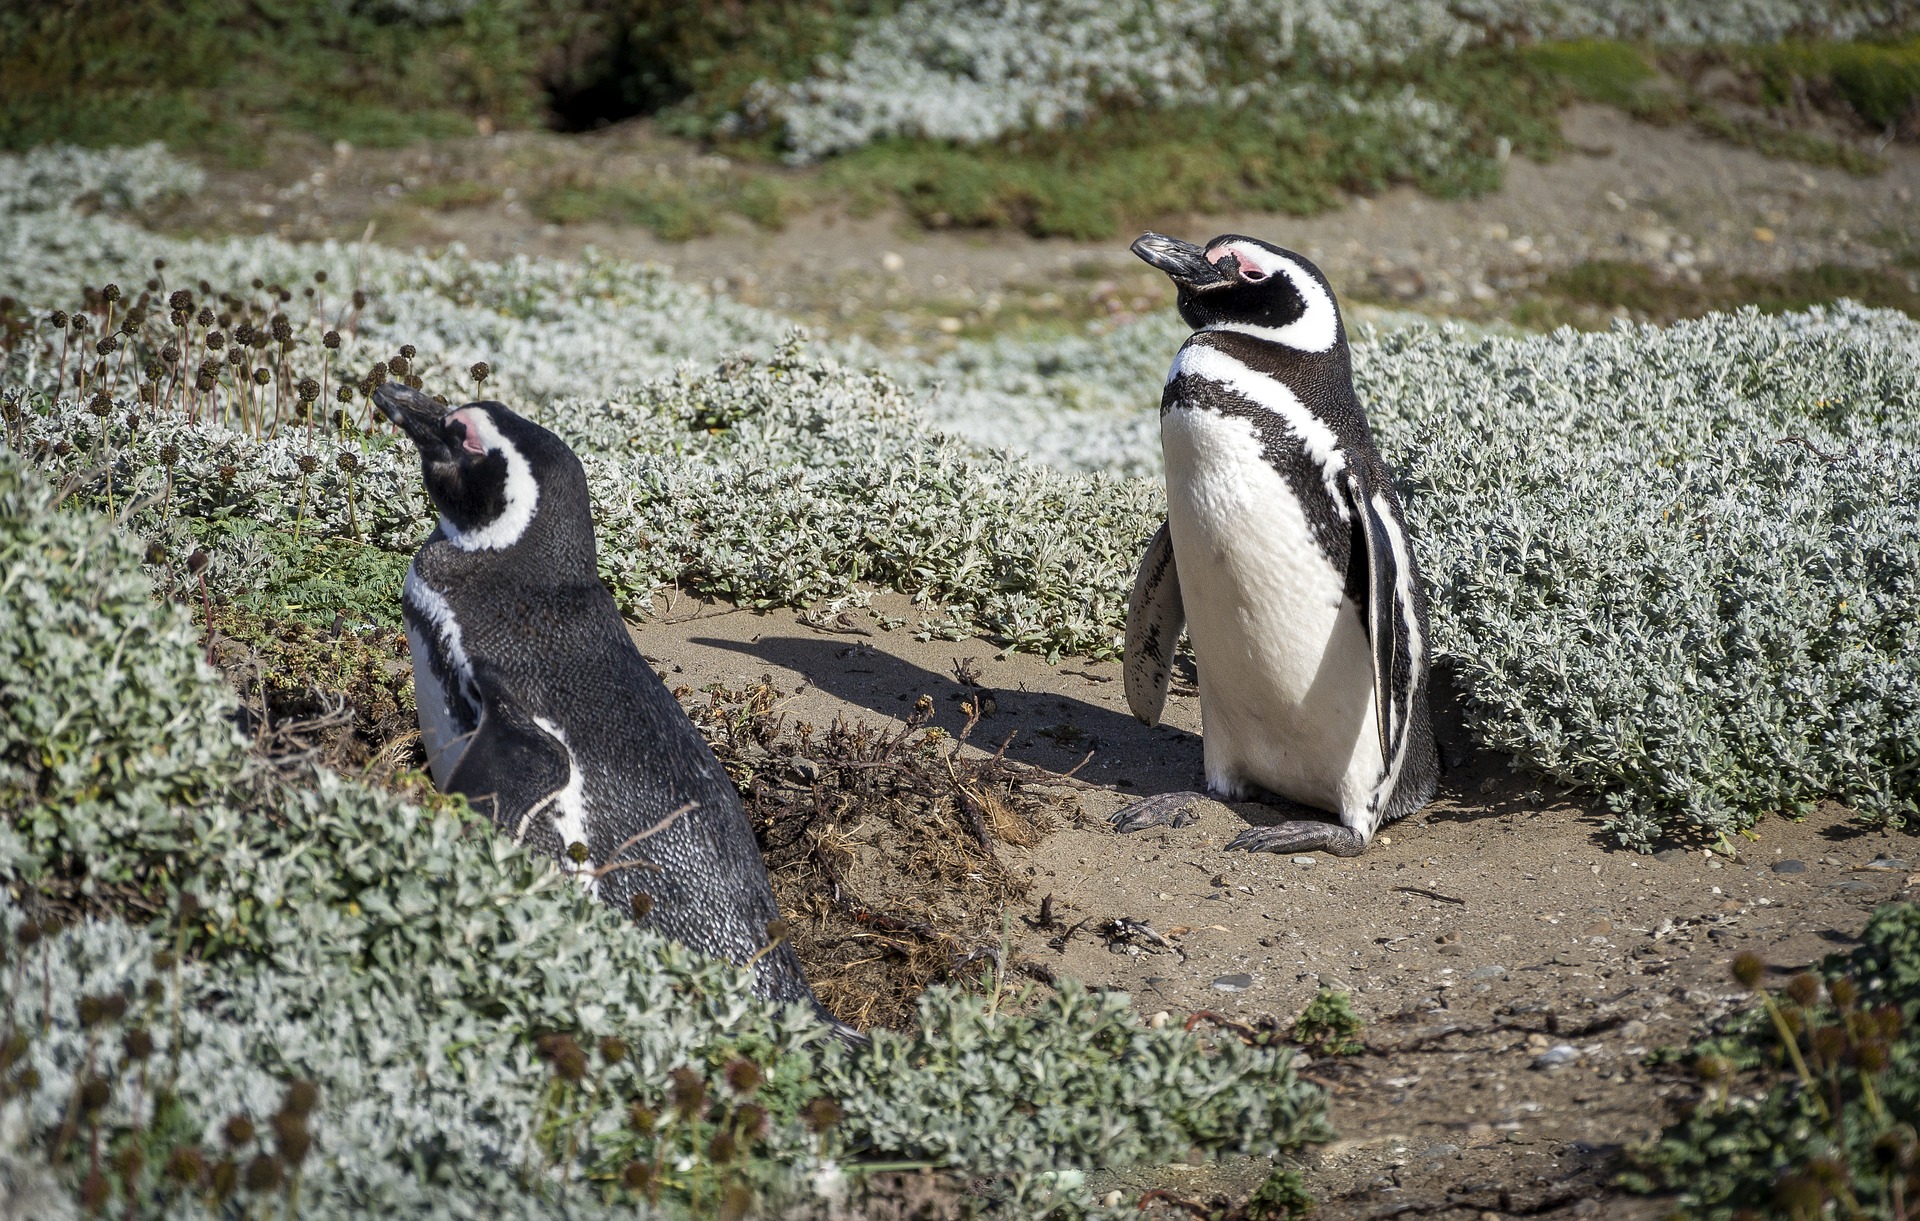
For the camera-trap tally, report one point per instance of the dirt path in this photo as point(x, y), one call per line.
point(1666, 197)
point(1476, 938)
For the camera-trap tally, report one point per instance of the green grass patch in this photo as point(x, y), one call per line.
point(1611, 74)
point(1790, 143)
point(1127, 167)
point(1879, 82)
point(676, 209)
point(452, 196)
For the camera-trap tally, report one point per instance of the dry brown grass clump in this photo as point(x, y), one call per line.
point(889, 846)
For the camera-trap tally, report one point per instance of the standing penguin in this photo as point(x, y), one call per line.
point(535, 703)
point(1285, 553)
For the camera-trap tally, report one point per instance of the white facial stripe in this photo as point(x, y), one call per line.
point(569, 809)
point(522, 493)
point(1199, 360)
point(1313, 331)
point(444, 745)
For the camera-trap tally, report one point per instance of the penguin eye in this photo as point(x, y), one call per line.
point(1252, 275)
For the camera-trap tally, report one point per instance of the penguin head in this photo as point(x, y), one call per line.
point(498, 479)
point(1243, 284)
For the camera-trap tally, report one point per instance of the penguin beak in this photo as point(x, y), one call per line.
point(418, 415)
point(1185, 263)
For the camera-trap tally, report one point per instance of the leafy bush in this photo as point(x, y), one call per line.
point(1880, 82)
point(416, 970)
point(1809, 1101)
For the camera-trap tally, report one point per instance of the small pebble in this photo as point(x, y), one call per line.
point(1233, 983)
point(1790, 867)
point(1305, 862)
point(1888, 863)
point(1554, 1057)
point(1492, 971)
point(1441, 1151)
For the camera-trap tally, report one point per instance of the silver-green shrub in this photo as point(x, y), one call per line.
point(975, 71)
point(405, 960)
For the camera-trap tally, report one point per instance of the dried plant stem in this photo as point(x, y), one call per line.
point(1793, 1052)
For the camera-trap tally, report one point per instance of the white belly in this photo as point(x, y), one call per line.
point(1286, 672)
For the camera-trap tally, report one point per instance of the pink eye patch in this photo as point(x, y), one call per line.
point(470, 431)
point(1247, 268)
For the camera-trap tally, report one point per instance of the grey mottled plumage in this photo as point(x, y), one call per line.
point(535, 703)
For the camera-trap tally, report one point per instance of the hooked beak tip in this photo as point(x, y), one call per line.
point(1183, 262)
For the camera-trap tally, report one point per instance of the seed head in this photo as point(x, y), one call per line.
point(331, 341)
point(170, 353)
point(641, 904)
point(111, 292)
point(344, 393)
point(106, 344)
point(409, 351)
point(264, 1174)
point(216, 340)
point(743, 1075)
point(563, 1052)
point(1749, 970)
point(91, 1012)
point(138, 1043)
point(1844, 991)
point(179, 300)
point(156, 552)
point(57, 319)
point(722, 1147)
point(226, 1177)
point(80, 322)
point(262, 376)
point(347, 462)
point(1830, 1042)
point(154, 370)
point(155, 991)
point(186, 1166)
point(159, 264)
point(1804, 989)
point(238, 1131)
point(777, 930)
point(243, 333)
point(204, 317)
point(307, 463)
point(577, 853)
point(397, 366)
point(309, 389)
point(641, 1118)
point(28, 933)
point(751, 1121)
point(227, 472)
point(291, 1136)
point(282, 329)
point(302, 1096)
point(236, 357)
point(94, 1094)
point(319, 277)
point(637, 1176)
point(359, 299)
point(307, 292)
point(613, 1049)
point(115, 1005)
point(258, 284)
point(1713, 1068)
point(689, 1093)
point(480, 372)
point(196, 564)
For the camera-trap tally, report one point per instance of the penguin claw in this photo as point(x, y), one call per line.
point(1167, 809)
point(1300, 837)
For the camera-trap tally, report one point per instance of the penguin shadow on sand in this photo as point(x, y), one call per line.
point(1050, 729)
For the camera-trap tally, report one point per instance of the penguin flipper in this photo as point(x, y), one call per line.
point(1155, 616)
point(511, 755)
point(1389, 613)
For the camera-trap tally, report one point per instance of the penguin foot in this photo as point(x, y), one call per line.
point(1300, 837)
point(1166, 809)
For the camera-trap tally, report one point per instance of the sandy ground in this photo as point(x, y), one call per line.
point(1476, 937)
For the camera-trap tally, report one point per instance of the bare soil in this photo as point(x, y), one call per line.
point(1667, 197)
point(1495, 926)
